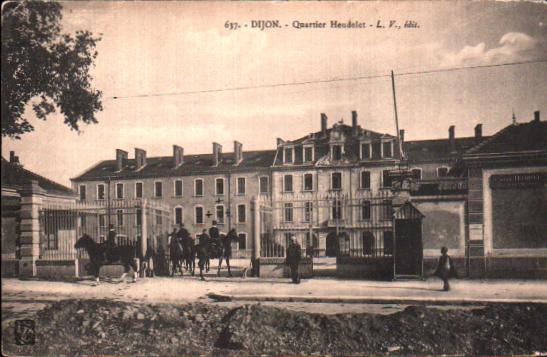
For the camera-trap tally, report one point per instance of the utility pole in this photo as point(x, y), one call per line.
point(108, 201)
point(396, 117)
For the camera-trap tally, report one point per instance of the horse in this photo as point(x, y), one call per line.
point(121, 255)
point(176, 255)
point(190, 252)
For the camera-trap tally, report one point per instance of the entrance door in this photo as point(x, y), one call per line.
point(332, 245)
point(408, 247)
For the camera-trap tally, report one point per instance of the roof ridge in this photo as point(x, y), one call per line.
point(20, 167)
point(489, 140)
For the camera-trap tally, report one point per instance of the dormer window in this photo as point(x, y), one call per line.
point(376, 150)
point(308, 153)
point(336, 152)
point(387, 149)
point(288, 155)
point(365, 151)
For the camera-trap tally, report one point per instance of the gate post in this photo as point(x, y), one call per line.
point(256, 234)
point(144, 228)
point(31, 203)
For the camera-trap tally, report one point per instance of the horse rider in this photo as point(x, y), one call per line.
point(203, 251)
point(293, 259)
point(214, 240)
point(110, 243)
point(183, 236)
point(227, 250)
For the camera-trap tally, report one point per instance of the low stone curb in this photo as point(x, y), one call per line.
point(370, 300)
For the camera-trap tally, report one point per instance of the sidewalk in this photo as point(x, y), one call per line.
point(188, 289)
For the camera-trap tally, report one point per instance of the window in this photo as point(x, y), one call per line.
point(100, 191)
point(219, 214)
point(263, 183)
point(138, 217)
point(241, 185)
point(365, 210)
point(365, 151)
point(336, 181)
point(376, 150)
point(308, 153)
point(368, 243)
point(119, 191)
point(387, 147)
point(138, 190)
point(308, 208)
point(387, 210)
point(82, 192)
point(288, 212)
point(386, 179)
point(198, 215)
point(308, 182)
point(365, 180)
point(337, 152)
point(119, 217)
point(388, 243)
point(178, 188)
point(102, 220)
point(416, 174)
point(178, 215)
point(287, 183)
point(219, 186)
point(336, 209)
point(158, 218)
point(241, 213)
point(198, 187)
point(158, 189)
point(242, 240)
point(288, 155)
point(442, 171)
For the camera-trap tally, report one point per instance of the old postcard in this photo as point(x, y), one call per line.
point(274, 178)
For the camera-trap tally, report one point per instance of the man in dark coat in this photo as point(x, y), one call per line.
point(203, 251)
point(292, 259)
point(110, 244)
point(445, 268)
point(214, 242)
point(226, 245)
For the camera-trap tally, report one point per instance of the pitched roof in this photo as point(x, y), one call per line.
point(522, 137)
point(16, 175)
point(164, 166)
point(438, 149)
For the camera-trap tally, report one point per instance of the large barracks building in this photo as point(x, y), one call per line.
point(483, 197)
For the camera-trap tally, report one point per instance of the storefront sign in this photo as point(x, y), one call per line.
point(531, 180)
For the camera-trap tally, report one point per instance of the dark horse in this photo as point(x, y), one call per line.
point(176, 255)
point(189, 252)
point(121, 255)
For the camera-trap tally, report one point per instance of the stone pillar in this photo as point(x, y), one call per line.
point(31, 203)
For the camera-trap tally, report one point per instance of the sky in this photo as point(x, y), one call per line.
point(153, 53)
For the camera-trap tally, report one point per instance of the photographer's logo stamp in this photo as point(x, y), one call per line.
point(25, 332)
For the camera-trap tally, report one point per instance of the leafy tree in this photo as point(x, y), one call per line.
point(45, 67)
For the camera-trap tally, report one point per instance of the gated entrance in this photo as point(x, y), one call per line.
point(138, 223)
point(408, 242)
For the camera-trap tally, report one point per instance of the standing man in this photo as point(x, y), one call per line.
point(227, 250)
point(293, 259)
point(214, 242)
point(203, 254)
point(445, 268)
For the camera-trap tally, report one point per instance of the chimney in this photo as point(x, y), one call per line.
point(354, 122)
point(280, 141)
point(402, 135)
point(536, 116)
point(121, 158)
point(140, 158)
point(324, 124)
point(238, 152)
point(478, 131)
point(178, 155)
point(452, 137)
point(217, 153)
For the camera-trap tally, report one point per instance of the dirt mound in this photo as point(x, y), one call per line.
point(106, 327)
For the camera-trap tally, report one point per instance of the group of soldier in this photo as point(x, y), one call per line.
point(210, 244)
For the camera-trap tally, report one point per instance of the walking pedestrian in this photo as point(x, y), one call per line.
point(445, 268)
point(293, 259)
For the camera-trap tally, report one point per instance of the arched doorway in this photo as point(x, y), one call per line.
point(332, 245)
